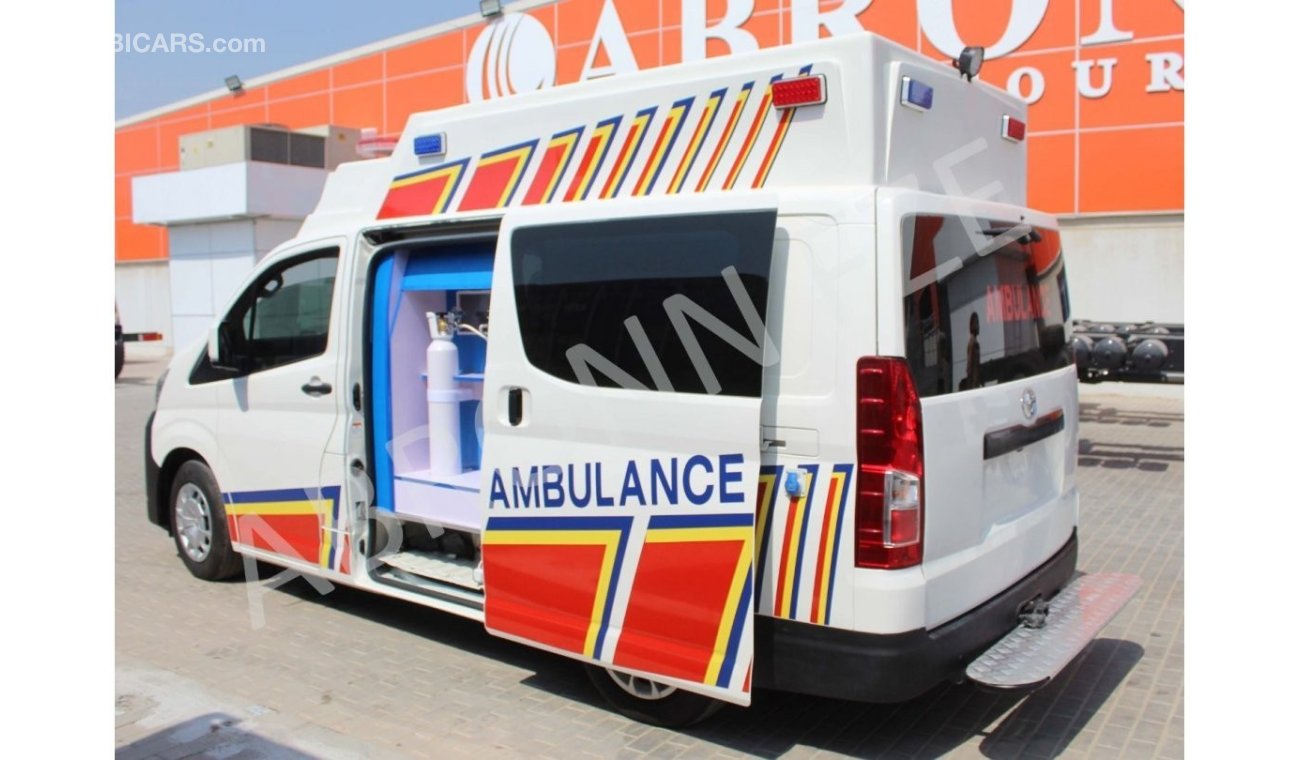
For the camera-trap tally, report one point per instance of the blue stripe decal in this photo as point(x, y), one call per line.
point(611, 590)
point(462, 162)
point(733, 641)
point(742, 520)
point(559, 523)
point(649, 113)
point(685, 104)
point(282, 494)
point(332, 492)
point(279, 494)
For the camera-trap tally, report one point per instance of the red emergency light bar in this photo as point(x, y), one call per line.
point(1012, 129)
point(800, 91)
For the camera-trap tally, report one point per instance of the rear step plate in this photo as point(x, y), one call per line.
point(1032, 656)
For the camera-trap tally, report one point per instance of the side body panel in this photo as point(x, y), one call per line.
point(619, 519)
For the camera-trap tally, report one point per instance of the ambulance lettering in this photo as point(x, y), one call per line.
point(696, 480)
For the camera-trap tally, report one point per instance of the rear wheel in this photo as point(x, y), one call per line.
point(650, 701)
point(199, 523)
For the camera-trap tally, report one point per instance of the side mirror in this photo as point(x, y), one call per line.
point(219, 347)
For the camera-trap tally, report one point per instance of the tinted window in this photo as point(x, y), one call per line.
point(986, 302)
point(648, 302)
point(284, 316)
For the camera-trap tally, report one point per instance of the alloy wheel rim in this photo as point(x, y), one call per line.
point(194, 522)
point(641, 688)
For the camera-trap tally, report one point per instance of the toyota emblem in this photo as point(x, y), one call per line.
point(1029, 404)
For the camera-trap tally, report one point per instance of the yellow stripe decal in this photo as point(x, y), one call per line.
point(724, 139)
point(750, 139)
point(697, 139)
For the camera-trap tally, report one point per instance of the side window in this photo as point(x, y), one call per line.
point(673, 304)
point(282, 318)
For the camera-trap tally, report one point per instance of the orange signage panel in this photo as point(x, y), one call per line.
point(1104, 79)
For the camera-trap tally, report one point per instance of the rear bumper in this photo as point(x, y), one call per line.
point(833, 662)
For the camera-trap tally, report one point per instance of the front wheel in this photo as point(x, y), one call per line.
point(649, 701)
point(199, 524)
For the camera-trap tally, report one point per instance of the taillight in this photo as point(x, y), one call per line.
point(800, 91)
point(890, 500)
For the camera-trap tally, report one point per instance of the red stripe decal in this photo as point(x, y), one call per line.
point(725, 138)
point(828, 524)
point(497, 177)
point(296, 536)
point(555, 161)
point(423, 193)
point(748, 145)
point(556, 613)
point(787, 545)
point(593, 158)
point(660, 633)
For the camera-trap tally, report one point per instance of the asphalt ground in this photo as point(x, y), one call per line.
point(351, 674)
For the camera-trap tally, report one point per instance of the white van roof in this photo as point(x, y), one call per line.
point(707, 127)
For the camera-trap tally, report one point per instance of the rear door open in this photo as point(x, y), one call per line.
point(621, 434)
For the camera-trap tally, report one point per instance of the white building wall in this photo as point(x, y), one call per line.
point(210, 261)
point(1125, 269)
point(143, 296)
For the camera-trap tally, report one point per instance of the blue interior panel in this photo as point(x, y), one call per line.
point(468, 268)
point(381, 411)
point(441, 269)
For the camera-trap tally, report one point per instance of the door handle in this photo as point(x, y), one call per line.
point(316, 387)
point(515, 406)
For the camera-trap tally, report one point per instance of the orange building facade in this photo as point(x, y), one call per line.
point(1104, 79)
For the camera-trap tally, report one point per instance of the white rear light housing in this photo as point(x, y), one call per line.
point(901, 509)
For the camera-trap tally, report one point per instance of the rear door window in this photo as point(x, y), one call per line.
point(986, 302)
point(665, 303)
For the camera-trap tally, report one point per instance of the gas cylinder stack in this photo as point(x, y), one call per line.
point(1149, 352)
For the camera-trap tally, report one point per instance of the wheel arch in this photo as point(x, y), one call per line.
point(166, 477)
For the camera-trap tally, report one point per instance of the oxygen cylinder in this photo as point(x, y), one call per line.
point(442, 361)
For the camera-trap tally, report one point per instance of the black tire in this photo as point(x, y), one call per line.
point(120, 350)
point(198, 520)
point(674, 708)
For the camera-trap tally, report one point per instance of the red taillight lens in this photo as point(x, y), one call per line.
point(800, 91)
point(1012, 129)
point(890, 495)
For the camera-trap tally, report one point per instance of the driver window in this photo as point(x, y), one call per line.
point(284, 317)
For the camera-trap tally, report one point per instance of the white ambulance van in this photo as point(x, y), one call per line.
point(747, 373)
